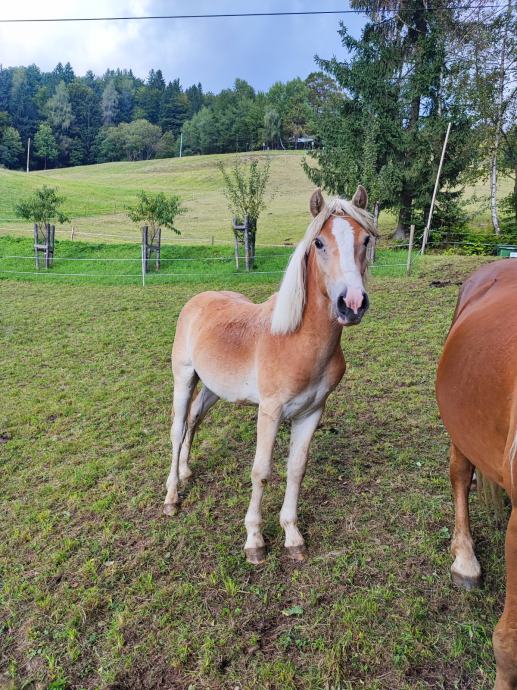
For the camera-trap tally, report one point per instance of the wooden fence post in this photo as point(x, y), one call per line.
point(410, 249)
point(44, 242)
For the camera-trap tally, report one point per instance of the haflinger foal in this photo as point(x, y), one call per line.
point(283, 355)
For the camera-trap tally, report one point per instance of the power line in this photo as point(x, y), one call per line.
point(221, 15)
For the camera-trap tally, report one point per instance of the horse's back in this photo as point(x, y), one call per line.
point(476, 383)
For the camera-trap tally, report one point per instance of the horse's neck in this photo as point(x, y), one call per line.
point(318, 327)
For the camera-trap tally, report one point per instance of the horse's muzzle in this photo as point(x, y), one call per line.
point(347, 316)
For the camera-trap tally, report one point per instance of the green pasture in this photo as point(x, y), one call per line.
point(99, 591)
point(120, 264)
point(97, 196)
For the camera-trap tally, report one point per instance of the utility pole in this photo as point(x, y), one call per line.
point(28, 152)
point(181, 144)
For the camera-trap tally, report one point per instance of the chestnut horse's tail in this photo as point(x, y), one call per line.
point(492, 496)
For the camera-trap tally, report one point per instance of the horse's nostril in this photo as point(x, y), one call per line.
point(341, 304)
point(366, 302)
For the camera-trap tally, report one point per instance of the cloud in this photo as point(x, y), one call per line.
point(261, 50)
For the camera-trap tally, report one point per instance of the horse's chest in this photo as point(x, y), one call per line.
point(309, 399)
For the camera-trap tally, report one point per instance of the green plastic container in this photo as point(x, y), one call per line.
point(507, 250)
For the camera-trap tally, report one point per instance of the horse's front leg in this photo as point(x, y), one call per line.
point(267, 426)
point(302, 431)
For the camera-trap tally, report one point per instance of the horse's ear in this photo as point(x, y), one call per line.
point(360, 198)
point(317, 202)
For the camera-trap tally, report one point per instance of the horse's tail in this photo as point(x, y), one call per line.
point(492, 496)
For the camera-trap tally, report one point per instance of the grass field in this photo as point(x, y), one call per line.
point(98, 195)
point(98, 590)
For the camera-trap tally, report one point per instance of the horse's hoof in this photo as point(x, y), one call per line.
point(256, 556)
point(296, 553)
point(466, 581)
point(170, 509)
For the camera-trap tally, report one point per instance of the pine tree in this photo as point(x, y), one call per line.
point(173, 108)
point(86, 121)
point(396, 85)
point(195, 99)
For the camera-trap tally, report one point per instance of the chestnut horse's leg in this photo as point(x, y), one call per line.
point(185, 380)
point(505, 633)
point(302, 431)
point(267, 426)
point(203, 401)
point(466, 571)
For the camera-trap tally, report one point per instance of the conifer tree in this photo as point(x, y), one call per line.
point(399, 94)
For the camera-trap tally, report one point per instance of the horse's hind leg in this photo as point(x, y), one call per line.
point(466, 571)
point(203, 401)
point(185, 380)
point(505, 633)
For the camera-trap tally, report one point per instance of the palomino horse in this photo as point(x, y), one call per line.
point(476, 388)
point(283, 355)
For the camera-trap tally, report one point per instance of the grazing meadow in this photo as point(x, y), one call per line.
point(99, 590)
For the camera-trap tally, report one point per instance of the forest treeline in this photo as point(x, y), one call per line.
point(76, 120)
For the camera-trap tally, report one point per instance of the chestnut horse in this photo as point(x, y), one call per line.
point(476, 388)
point(283, 355)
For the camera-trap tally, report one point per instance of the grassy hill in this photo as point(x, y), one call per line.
point(98, 195)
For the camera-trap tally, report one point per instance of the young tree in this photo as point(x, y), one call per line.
point(245, 186)
point(43, 207)
point(157, 211)
point(11, 148)
point(45, 145)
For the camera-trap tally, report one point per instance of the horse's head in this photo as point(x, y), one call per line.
point(335, 245)
point(341, 254)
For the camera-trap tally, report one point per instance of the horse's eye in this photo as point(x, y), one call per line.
point(367, 241)
point(318, 243)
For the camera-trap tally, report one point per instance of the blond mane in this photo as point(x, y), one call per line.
point(290, 299)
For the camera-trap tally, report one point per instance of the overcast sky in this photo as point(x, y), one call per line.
point(261, 50)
